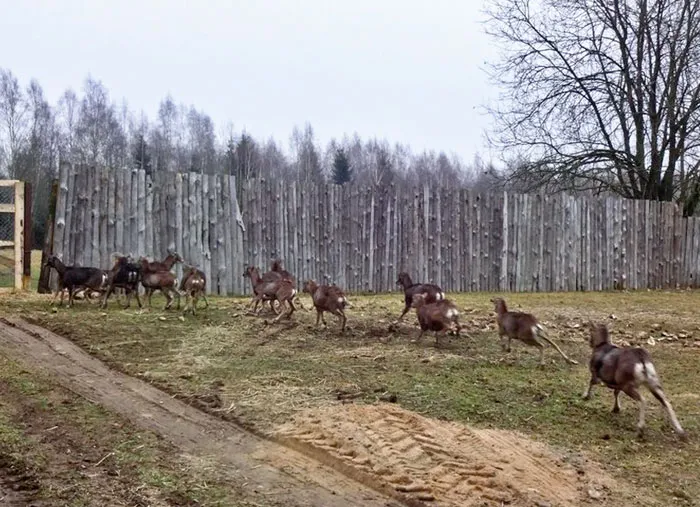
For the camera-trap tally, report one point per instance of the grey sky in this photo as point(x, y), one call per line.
point(407, 71)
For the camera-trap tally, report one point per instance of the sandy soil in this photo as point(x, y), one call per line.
point(445, 463)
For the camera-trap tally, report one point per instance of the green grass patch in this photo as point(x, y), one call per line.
point(264, 373)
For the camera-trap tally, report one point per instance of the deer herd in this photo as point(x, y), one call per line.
point(620, 369)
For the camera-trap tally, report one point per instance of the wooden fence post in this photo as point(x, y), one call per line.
point(19, 234)
point(44, 286)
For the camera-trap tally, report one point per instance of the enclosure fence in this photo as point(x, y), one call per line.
point(360, 237)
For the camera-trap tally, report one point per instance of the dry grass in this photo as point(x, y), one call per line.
point(235, 364)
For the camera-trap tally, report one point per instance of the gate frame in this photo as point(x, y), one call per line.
point(22, 243)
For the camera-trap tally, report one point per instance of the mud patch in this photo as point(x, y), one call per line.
point(443, 463)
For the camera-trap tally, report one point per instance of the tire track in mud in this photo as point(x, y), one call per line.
point(279, 474)
point(447, 464)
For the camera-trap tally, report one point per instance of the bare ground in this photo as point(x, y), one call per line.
point(272, 470)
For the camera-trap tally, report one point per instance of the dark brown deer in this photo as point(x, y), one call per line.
point(432, 292)
point(74, 279)
point(625, 370)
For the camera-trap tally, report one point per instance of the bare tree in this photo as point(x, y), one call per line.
point(602, 94)
point(13, 110)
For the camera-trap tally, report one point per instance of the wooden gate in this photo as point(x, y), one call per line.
point(15, 235)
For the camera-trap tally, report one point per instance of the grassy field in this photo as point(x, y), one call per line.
point(238, 366)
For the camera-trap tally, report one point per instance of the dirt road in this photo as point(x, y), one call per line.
point(278, 473)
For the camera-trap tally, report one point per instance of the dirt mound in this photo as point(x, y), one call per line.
point(446, 463)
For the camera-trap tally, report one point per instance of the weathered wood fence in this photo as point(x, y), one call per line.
point(360, 238)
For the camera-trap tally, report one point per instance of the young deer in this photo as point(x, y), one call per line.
point(190, 271)
point(626, 370)
point(194, 283)
point(524, 327)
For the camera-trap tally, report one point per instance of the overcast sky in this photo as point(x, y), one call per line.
point(410, 71)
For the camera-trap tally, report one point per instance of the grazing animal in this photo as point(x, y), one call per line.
point(432, 292)
point(524, 327)
point(125, 275)
point(194, 284)
point(281, 290)
point(327, 298)
point(439, 316)
point(191, 271)
point(74, 279)
point(625, 369)
point(163, 281)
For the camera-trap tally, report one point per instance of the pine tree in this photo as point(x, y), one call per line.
point(342, 173)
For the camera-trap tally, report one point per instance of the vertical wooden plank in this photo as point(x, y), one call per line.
point(119, 203)
point(78, 238)
point(133, 218)
point(205, 232)
point(141, 212)
point(60, 220)
point(678, 227)
point(150, 243)
point(125, 245)
point(185, 184)
point(227, 225)
point(94, 241)
point(106, 257)
point(19, 234)
point(179, 226)
point(218, 261)
point(86, 232)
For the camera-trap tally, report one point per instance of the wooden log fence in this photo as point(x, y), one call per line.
point(360, 238)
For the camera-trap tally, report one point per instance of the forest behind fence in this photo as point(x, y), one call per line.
point(361, 237)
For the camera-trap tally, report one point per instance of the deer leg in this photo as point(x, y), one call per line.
point(318, 315)
point(343, 319)
point(71, 295)
point(659, 395)
point(169, 297)
point(291, 308)
point(279, 316)
point(341, 316)
point(616, 406)
point(204, 296)
point(587, 392)
point(405, 311)
point(633, 393)
point(109, 291)
point(137, 297)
